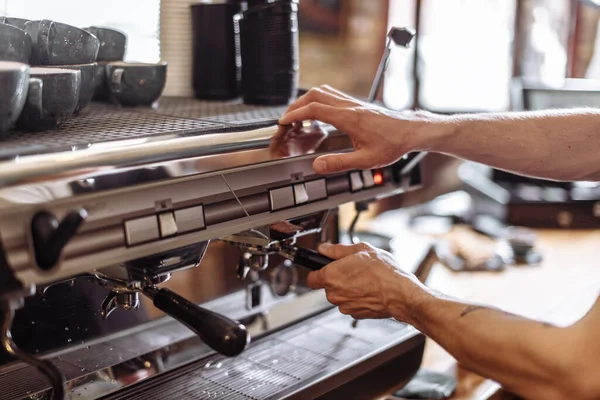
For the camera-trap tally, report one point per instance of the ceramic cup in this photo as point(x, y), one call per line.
point(18, 22)
point(15, 44)
point(88, 82)
point(52, 102)
point(14, 81)
point(135, 84)
point(101, 92)
point(55, 43)
point(112, 43)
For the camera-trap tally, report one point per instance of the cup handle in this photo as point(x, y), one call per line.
point(34, 97)
point(116, 80)
point(43, 40)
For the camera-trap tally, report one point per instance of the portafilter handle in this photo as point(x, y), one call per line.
point(225, 335)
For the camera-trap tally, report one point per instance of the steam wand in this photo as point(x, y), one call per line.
point(399, 37)
point(49, 370)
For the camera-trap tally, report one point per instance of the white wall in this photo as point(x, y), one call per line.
point(139, 19)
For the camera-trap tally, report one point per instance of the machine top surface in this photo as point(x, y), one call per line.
point(170, 117)
point(108, 136)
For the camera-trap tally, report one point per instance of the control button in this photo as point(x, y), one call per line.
point(141, 230)
point(367, 176)
point(356, 182)
point(316, 190)
point(300, 193)
point(281, 198)
point(190, 219)
point(337, 185)
point(167, 224)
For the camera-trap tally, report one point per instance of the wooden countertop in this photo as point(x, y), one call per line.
point(560, 290)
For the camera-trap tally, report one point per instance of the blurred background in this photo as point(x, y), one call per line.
point(465, 56)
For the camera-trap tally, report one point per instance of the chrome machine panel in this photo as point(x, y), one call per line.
point(125, 198)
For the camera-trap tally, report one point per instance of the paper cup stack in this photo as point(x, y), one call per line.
point(176, 46)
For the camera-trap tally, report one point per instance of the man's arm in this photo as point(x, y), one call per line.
point(559, 145)
point(556, 144)
point(531, 359)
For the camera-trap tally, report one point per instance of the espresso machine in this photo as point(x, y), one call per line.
point(99, 218)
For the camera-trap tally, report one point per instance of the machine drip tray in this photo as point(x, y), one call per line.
point(316, 358)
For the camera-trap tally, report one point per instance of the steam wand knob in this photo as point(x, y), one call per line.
point(51, 236)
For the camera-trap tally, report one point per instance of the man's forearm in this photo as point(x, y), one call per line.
point(558, 145)
point(523, 355)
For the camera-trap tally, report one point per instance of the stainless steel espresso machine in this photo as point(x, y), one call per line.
point(102, 220)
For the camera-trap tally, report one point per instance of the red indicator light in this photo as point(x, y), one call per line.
point(378, 177)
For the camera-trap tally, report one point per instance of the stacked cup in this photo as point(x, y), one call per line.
point(268, 43)
point(45, 95)
point(15, 51)
point(63, 58)
point(124, 83)
point(216, 64)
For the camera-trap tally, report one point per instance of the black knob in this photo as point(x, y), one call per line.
point(223, 334)
point(401, 36)
point(51, 236)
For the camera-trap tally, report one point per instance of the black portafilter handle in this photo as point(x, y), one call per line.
point(225, 335)
point(310, 259)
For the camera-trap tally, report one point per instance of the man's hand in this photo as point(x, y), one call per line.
point(365, 282)
point(380, 136)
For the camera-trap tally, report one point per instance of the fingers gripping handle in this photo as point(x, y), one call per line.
point(311, 259)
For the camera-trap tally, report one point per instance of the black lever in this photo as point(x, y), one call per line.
point(50, 237)
point(304, 257)
point(223, 334)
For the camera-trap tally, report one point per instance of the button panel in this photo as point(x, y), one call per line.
point(171, 223)
point(141, 230)
point(167, 224)
point(190, 219)
point(281, 198)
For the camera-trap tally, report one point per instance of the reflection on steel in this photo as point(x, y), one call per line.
point(125, 154)
point(127, 301)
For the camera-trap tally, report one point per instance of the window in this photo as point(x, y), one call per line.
point(546, 40)
point(465, 55)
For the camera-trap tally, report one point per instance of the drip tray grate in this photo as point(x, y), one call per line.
point(232, 112)
point(102, 123)
point(171, 117)
point(274, 365)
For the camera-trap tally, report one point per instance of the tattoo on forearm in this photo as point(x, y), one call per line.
point(470, 309)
